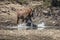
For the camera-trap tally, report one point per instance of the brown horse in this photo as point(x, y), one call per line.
point(24, 13)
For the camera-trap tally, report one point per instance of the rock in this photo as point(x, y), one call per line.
point(7, 16)
point(35, 4)
point(8, 19)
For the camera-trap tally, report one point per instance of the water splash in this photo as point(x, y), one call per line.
point(22, 26)
point(41, 26)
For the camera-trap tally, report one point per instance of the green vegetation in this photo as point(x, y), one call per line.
point(18, 1)
point(21, 1)
point(47, 3)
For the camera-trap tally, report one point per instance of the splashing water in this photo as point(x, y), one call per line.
point(41, 26)
point(22, 26)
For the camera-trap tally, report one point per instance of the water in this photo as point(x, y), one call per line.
point(31, 26)
point(22, 26)
point(28, 26)
point(41, 26)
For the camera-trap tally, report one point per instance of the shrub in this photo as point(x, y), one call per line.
point(21, 1)
point(47, 3)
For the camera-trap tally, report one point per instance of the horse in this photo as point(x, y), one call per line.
point(25, 14)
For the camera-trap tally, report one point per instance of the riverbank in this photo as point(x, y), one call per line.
point(46, 34)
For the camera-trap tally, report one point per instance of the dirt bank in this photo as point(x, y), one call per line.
point(51, 34)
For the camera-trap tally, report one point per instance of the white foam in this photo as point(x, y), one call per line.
point(22, 26)
point(41, 26)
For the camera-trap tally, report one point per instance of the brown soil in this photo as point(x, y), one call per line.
point(51, 34)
